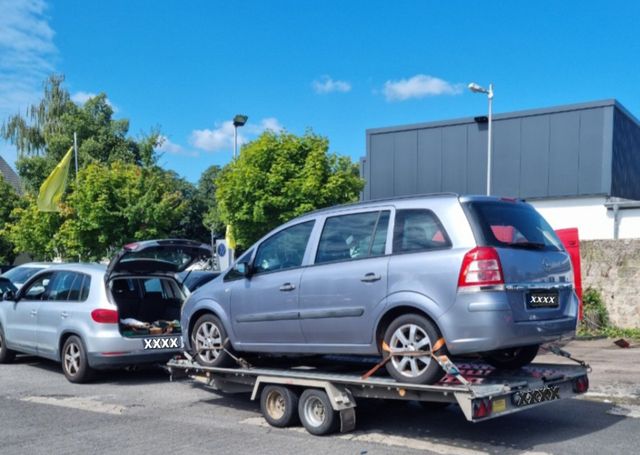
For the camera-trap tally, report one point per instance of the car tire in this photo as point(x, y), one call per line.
point(513, 358)
point(279, 406)
point(316, 413)
point(413, 331)
point(207, 339)
point(6, 354)
point(75, 364)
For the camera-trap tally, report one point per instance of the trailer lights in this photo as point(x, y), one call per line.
point(482, 408)
point(581, 384)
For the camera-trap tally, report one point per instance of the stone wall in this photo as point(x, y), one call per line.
point(613, 268)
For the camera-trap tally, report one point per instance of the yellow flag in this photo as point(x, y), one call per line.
point(231, 241)
point(53, 187)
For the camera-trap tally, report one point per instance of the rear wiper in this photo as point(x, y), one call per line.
point(528, 245)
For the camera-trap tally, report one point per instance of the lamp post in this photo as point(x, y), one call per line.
point(475, 88)
point(238, 121)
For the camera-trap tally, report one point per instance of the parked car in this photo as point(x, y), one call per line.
point(20, 274)
point(486, 274)
point(92, 317)
point(193, 279)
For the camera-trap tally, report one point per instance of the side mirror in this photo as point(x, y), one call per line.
point(244, 269)
point(9, 295)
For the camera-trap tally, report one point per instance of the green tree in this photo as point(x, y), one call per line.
point(45, 133)
point(9, 201)
point(207, 194)
point(280, 176)
point(115, 204)
point(32, 231)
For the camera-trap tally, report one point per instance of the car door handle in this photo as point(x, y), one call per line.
point(64, 315)
point(287, 287)
point(34, 312)
point(370, 278)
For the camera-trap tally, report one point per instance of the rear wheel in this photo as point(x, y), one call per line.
point(207, 340)
point(74, 361)
point(316, 413)
point(279, 406)
point(6, 354)
point(513, 358)
point(410, 333)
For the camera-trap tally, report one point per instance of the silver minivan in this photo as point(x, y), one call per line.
point(91, 317)
point(487, 275)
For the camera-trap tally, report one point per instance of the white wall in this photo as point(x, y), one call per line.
point(590, 216)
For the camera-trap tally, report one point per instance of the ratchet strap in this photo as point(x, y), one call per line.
point(445, 363)
point(562, 353)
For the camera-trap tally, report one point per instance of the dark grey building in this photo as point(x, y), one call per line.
point(590, 149)
point(10, 175)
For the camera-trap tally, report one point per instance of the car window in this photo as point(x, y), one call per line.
point(152, 285)
point(283, 250)
point(61, 285)
point(233, 274)
point(21, 274)
point(513, 225)
point(37, 290)
point(84, 290)
point(418, 230)
point(353, 236)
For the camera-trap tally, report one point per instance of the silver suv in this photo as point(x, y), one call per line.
point(486, 274)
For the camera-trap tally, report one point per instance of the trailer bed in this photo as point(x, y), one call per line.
point(489, 393)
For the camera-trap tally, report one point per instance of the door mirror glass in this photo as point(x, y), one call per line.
point(243, 268)
point(9, 295)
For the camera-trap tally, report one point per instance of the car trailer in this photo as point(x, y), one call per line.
point(323, 397)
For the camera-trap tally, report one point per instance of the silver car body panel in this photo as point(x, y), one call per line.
point(331, 310)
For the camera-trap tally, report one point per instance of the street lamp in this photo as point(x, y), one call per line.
point(238, 121)
point(475, 88)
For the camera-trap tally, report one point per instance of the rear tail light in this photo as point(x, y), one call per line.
point(481, 267)
point(482, 408)
point(103, 316)
point(581, 384)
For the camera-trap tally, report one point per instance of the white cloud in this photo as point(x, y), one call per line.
point(165, 145)
point(419, 86)
point(221, 137)
point(27, 50)
point(82, 97)
point(327, 85)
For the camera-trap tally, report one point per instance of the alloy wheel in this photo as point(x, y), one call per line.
point(208, 341)
point(410, 338)
point(72, 360)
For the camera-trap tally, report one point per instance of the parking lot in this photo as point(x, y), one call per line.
point(142, 412)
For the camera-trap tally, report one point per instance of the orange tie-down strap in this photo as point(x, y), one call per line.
point(385, 347)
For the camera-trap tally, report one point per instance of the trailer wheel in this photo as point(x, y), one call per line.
point(512, 359)
point(316, 413)
point(279, 406)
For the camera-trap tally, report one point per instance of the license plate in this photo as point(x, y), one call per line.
point(162, 343)
point(545, 299)
point(528, 397)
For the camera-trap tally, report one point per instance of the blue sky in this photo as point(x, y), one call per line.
point(337, 67)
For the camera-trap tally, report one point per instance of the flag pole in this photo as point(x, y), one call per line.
point(75, 150)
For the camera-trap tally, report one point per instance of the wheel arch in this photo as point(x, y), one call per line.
point(64, 336)
point(209, 309)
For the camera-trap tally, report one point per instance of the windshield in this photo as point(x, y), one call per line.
point(512, 225)
point(21, 274)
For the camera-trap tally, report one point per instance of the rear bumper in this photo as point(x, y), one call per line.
point(483, 321)
point(110, 349)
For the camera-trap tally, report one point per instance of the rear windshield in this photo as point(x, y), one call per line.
point(511, 225)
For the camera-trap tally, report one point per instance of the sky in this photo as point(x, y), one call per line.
point(335, 67)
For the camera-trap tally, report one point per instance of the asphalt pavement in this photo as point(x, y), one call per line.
point(142, 412)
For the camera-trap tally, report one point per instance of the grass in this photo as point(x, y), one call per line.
point(596, 319)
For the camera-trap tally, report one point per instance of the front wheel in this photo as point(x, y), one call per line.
point(74, 361)
point(6, 354)
point(513, 358)
point(207, 340)
point(411, 333)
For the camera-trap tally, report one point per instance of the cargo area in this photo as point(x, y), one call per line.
point(147, 305)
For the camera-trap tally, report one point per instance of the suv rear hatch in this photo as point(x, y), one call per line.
point(142, 283)
point(535, 266)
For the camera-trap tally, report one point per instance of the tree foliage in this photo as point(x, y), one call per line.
point(112, 205)
point(44, 134)
point(280, 176)
point(9, 200)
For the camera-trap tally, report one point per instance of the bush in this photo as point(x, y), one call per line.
point(595, 321)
